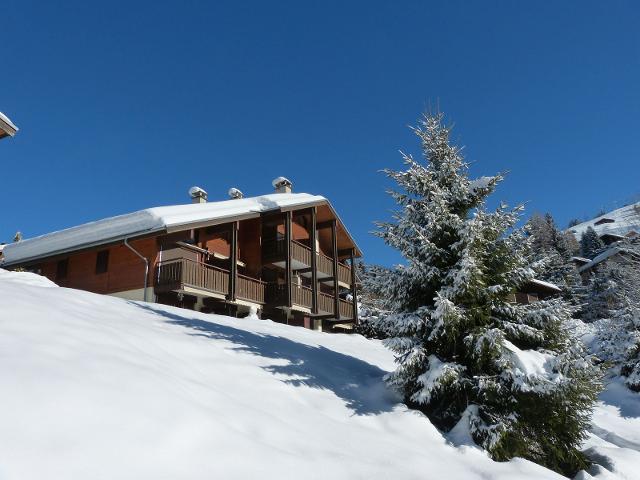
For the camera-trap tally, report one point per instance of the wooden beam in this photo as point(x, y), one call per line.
point(288, 269)
point(334, 255)
point(323, 225)
point(314, 261)
point(233, 259)
point(354, 288)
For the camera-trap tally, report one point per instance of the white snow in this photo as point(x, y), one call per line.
point(542, 283)
point(530, 362)
point(610, 252)
point(102, 388)
point(625, 220)
point(151, 220)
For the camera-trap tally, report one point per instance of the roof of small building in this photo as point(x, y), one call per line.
point(151, 220)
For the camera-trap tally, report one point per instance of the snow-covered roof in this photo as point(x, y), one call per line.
point(6, 126)
point(580, 259)
point(548, 285)
point(600, 258)
point(150, 220)
point(625, 220)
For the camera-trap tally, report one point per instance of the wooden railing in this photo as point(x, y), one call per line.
point(181, 272)
point(301, 296)
point(275, 250)
point(325, 303)
point(346, 309)
point(344, 274)
point(325, 264)
point(250, 289)
point(300, 252)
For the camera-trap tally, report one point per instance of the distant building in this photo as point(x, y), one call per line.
point(7, 128)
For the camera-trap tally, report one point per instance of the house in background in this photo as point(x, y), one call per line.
point(7, 128)
point(285, 255)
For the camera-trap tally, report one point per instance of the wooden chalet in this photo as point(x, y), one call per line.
point(286, 256)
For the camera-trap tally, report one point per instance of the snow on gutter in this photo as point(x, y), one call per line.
point(549, 285)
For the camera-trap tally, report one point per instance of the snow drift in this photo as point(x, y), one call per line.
point(102, 388)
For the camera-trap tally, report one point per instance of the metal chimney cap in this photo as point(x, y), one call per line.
point(235, 193)
point(281, 182)
point(197, 192)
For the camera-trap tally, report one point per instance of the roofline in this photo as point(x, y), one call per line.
point(85, 246)
point(182, 227)
point(7, 126)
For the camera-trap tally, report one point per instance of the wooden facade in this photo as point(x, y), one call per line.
point(293, 266)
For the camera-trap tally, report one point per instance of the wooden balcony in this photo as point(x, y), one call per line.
point(251, 289)
point(301, 296)
point(185, 275)
point(274, 251)
point(197, 278)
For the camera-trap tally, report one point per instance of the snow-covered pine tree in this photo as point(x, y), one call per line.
point(371, 307)
point(590, 243)
point(465, 352)
point(554, 250)
point(614, 307)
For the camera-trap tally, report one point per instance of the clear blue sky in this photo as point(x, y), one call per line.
point(125, 105)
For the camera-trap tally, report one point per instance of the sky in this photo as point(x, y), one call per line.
point(125, 105)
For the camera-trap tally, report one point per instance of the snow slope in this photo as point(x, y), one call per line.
point(625, 220)
point(103, 388)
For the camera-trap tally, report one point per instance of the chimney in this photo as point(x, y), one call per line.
point(282, 185)
point(235, 194)
point(197, 195)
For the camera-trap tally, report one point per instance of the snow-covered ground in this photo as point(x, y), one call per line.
point(103, 388)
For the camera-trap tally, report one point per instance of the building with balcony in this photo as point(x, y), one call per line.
point(286, 256)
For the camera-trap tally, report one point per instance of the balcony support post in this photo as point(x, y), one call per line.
point(233, 258)
point(314, 261)
point(288, 268)
point(334, 255)
point(354, 289)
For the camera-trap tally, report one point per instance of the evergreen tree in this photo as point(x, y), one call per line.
point(553, 251)
point(590, 243)
point(461, 345)
point(371, 307)
point(614, 305)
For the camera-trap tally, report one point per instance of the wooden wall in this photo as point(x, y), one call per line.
point(125, 270)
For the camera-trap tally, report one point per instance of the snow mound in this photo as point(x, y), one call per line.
point(25, 278)
point(100, 387)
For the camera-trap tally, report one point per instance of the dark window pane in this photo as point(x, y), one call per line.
point(102, 261)
point(61, 269)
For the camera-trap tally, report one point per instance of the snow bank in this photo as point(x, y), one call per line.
point(102, 388)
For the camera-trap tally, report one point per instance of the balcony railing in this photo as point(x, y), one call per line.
point(274, 250)
point(183, 272)
point(250, 289)
point(325, 303)
point(346, 309)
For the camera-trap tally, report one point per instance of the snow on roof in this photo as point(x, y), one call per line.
point(7, 125)
point(549, 285)
point(618, 222)
point(151, 220)
point(581, 259)
point(600, 258)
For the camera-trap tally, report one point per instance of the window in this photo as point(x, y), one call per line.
point(102, 261)
point(61, 269)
